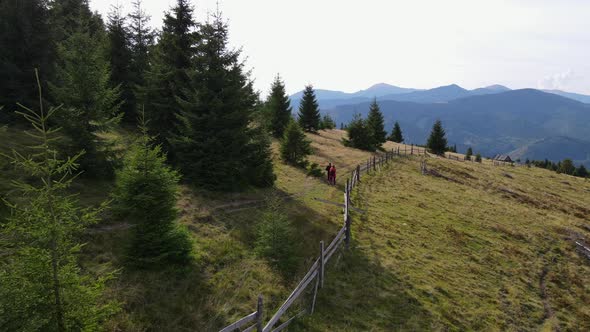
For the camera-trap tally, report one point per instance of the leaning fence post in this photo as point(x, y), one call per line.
point(346, 219)
point(259, 311)
point(321, 264)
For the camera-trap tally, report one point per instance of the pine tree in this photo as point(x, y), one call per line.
point(396, 134)
point(295, 147)
point(215, 136)
point(478, 158)
point(581, 172)
point(26, 44)
point(145, 193)
point(359, 134)
point(119, 54)
point(279, 108)
point(469, 153)
point(168, 76)
point(43, 288)
point(375, 123)
point(327, 122)
point(309, 112)
point(91, 105)
point(437, 142)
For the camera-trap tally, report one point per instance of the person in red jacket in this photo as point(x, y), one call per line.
point(333, 175)
point(328, 172)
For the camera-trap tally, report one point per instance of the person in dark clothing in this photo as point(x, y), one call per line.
point(328, 171)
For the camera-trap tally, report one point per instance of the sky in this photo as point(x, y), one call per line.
point(350, 45)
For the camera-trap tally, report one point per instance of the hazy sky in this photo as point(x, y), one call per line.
point(350, 45)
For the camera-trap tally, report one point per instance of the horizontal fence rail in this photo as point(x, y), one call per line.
point(317, 270)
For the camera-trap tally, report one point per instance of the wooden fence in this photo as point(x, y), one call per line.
point(253, 321)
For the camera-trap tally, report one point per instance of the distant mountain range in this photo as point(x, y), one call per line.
point(525, 123)
point(329, 99)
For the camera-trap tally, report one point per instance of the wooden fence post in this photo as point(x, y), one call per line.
point(368, 168)
point(259, 312)
point(358, 173)
point(346, 219)
point(374, 167)
point(412, 150)
point(321, 264)
point(398, 150)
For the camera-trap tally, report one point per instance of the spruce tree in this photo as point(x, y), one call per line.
point(215, 135)
point(141, 39)
point(437, 142)
point(327, 122)
point(43, 288)
point(71, 16)
point(26, 44)
point(469, 153)
point(375, 123)
point(91, 104)
point(359, 134)
point(295, 147)
point(567, 167)
point(275, 239)
point(119, 54)
point(396, 134)
point(478, 158)
point(309, 112)
point(278, 108)
point(168, 76)
point(145, 193)
point(581, 172)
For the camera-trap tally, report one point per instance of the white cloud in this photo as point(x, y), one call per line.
point(559, 81)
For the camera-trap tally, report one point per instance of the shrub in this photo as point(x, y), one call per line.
point(315, 170)
point(275, 240)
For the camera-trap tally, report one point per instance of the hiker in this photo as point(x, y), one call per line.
point(328, 171)
point(333, 175)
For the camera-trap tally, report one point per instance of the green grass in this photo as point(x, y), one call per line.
point(430, 254)
point(475, 251)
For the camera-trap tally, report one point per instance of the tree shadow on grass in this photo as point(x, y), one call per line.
point(169, 298)
point(359, 294)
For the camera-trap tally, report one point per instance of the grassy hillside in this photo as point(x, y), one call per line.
point(482, 248)
point(429, 254)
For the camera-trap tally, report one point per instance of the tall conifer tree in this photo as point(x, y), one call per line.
point(119, 53)
point(168, 77)
point(375, 124)
point(278, 107)
point(82, 84)
point(141, 39)
point(396, 134)
point(437, 142)
point(215, 141)
point(309, 112)
point(26, 40)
